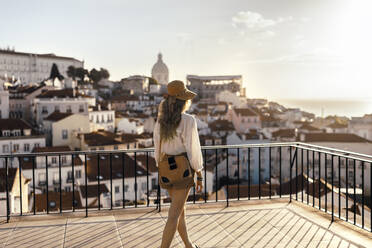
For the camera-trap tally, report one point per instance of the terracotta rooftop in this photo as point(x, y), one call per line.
point(13, 124)
point(334, 137)
point(117, 167)
point(101, 138)
point(284, 133)
point(245, 112)
point(221, 125)
point(51, 149)
point(11, 177)
point(57, 116)
point(92, 190)
point(54, 201)
point(61, 94)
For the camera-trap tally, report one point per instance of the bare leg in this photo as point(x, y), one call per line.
point(178, 197)
point(182, 229)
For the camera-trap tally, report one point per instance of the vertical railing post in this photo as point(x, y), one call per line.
point(259, 172)
point(333, 207)
point(280, 171)
point(238, 150)
point(270, 172)
point(216, 174)
point(326, 182)
point(86, 184)
point(354, 184)
point(73, 182)
point(370, 190)
point(347, 189)
point(33, 183)
point(363, 193)
point(313, 178)
point(111, 194)
point(339, 187)
point(302, 175)
point(20, 184)
point(147, 177)
point(249, 173)
point(227, 177)
point(319, 185)
point(60, 183)
point(135, 179)
point(296, 174)
point(99, 181)
point(307, 176)
point(7, 190)
point(123, 178)
point(47, 184)
point(205, 175)
point(290, 174)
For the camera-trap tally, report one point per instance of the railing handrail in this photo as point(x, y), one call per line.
point(315, 148)
point(335, 150)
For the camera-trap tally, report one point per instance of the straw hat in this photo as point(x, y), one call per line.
point(178, 89)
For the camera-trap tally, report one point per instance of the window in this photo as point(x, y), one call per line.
point(117, 189)
point(69, 174)
point(78, 173)
point(44, 110)
point(68, 189)
point(153, 183)
point(116, 147)
point(97, 119)
point(144, 186)
point(5, 148)
point(36, 145)
point(126, 188)
point(26, 147)
point(56, 108)
point(54, 160)
point(15, 147)
point(6, 133)
point(64, 160)
point(68, 109)
point(64, 134)
point(81, 108)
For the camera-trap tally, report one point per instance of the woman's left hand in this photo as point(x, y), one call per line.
point(199, 186)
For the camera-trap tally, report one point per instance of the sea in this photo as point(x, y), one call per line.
point(325, 107)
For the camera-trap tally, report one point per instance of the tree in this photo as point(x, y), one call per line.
point(104, 73)
point(54, 73)
point(71, 72)
point(80, 73)
point(95, 75)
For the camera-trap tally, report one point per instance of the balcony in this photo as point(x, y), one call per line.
point(258, 223)
point(286, 205)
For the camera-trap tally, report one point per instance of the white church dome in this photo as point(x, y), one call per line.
point(160, 71)
point(159, 66)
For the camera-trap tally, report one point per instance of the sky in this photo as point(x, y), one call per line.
point(285, 49)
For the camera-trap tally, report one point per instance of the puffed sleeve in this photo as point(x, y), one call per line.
point(156, 137)
point(192, 145)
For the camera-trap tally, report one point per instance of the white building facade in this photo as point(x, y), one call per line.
point(31, 68)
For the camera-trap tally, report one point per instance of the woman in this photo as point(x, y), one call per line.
point(179, 134)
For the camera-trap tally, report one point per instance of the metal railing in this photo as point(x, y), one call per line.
point(306, 173)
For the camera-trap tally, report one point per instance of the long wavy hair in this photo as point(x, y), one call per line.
point(169, 116)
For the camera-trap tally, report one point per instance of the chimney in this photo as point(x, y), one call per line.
point(99, 107)
point(109, 106)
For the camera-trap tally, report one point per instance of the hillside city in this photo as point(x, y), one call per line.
point(51, 103)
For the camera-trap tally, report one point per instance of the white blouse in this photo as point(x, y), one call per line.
point(186, 140)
